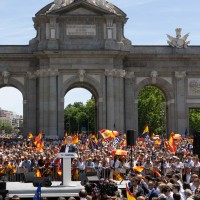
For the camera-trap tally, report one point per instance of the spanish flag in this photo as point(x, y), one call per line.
point(172, 145)
point(117, 176)
point(107, 134)
point(74, 140)
point(40, 146)
point(129, 194)
point(38, 173)
point(38, 138)
point(30, 135)
point(146, 130)
point(59, 172)
point(138, 168)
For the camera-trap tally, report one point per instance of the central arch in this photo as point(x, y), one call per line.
point(94, 88)
point(94, 94)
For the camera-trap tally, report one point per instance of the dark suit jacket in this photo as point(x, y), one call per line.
point(154, 193)
point(72, 148)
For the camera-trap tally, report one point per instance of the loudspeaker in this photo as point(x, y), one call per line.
point(29, 177)
point(43, 182)
point(196, 143)
point(2, 185)
point(130, 141)
point(3, 193)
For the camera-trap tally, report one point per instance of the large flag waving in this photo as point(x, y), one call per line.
point(108, 134)
point(171, 143)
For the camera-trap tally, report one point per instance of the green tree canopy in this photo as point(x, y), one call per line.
point(194, 119)
point(79, 115)
point(151, 110)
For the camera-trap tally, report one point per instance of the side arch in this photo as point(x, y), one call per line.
point(14, 83)
point(162, 84)
point(169, 93)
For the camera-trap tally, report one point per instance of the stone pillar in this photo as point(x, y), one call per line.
point(43, 100)
point(131, 117)
point(119, 99)
point(180, 117)
point(53, 102)
point(30, 103)
point(110, 99)
point(171, 119)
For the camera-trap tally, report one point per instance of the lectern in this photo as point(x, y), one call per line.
point(67, 168)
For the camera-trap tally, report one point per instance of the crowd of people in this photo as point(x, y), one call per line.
point(151, 171)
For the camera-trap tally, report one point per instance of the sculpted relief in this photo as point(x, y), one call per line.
point(193, 86)
point(178, 41)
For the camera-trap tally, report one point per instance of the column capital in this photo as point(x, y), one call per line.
point(130, 75)
point(180, 74)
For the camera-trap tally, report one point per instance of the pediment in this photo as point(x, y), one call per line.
point(81, 11)
point(81, 8)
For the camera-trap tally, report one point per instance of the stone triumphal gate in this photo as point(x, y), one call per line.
point(81, 43)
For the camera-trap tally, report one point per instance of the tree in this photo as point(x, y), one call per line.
point(79, 115)
point(194, 119)
point(152, 110)
point(6, 127)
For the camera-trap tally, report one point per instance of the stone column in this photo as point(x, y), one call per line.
point(43, 100)
point(180, 102)
point(30, 103)
point(110, 99)
point(53, 102)
point(119, 99)
point(171, 118)
point(131, 117)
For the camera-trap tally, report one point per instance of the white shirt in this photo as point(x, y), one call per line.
point(66, 149)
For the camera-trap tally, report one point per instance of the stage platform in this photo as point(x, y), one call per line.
point(27, 190)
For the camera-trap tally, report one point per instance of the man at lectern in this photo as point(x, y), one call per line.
point(68, 147)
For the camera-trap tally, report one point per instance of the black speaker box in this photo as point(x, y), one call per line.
point(3, 193)
point(2, 185)
point(130, 137)
point(29, 177)
point(196, 143)
point(43, 182)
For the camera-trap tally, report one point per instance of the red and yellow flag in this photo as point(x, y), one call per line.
point(59, 172)
point(138, 168)
point(75, 174)
point(171, 143)
point(107, 134)
point(40, 146)
point(38, 173)
point(38, 138)
point(74, 140)
point(129, 194)
point(30, 135)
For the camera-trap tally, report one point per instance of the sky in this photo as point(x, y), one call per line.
point(148, 23)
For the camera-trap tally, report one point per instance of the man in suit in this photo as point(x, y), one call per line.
point(152, 191)
point(68, 147)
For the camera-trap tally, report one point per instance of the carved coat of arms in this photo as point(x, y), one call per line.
point(178, 41)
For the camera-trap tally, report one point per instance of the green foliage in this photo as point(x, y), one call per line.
point(5, 127)
point(151, 110)
point(79, 115)
point(194, 119)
